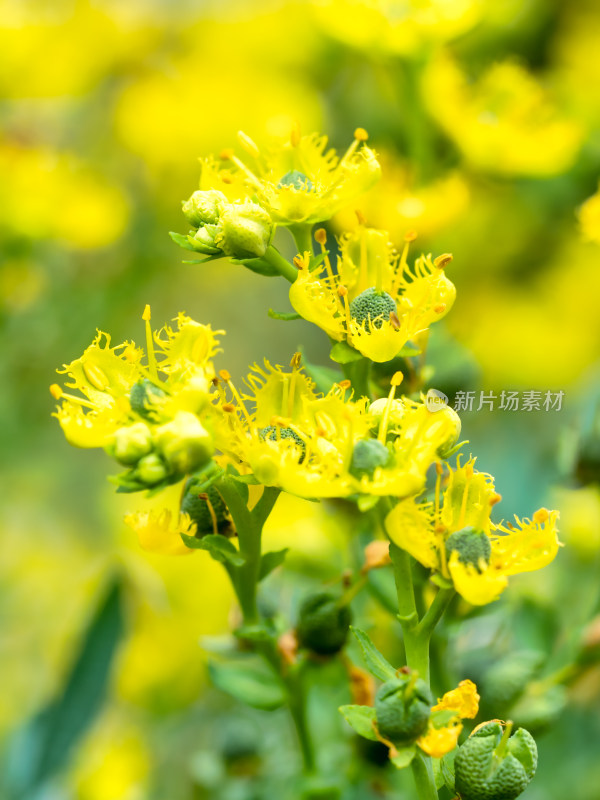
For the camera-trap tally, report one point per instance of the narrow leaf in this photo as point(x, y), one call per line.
point(182, 241)
point(287, 316)
point(375, 662)
point(220, 548)
point(361, 718)
point(404, 757)
point(271, 561)
point(342, 353)
point(248, 684)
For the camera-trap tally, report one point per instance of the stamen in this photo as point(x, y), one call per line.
point(361, 135)
point(465, 497)
point(397, 379)
point(96, 377)
point(211, 511)
point(56, 391)
point(229, 408)
point(362, 220)
point(343, 293)
point(58, 394)
point(146, 316)
point(295, 134)
point(495, 498)
point(248, 144)
point(321, 236)
point(541, 515)
point(440, 308)
point(226, 377)
point(402, 264)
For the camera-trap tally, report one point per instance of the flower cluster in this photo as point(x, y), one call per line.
point(455, 537)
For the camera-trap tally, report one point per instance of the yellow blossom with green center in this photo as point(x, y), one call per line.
point(455, 537)
point(314, 445)
point(149, 411)
point(401, 302)
point(300, 180)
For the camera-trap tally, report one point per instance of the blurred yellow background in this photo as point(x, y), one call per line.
point(487, 121)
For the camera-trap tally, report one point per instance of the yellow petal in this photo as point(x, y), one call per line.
point(436, 742)
point(156, 535)
point(530, 546)
point(464, 700)
point(409, 525)
point(478, 588)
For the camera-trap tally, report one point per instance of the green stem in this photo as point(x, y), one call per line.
point(358, 373)
point(282, 265)
point(423, 775)
point(297, 706)
point(302, 234)
point(435, 612)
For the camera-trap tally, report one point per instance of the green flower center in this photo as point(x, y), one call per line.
point(367, 455)
point(372, 307)
point(296, 180)
point(471, 546)
point(274, 433)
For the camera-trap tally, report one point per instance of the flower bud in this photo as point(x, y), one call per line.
point(145, 397)
point(184, 443)
point(378, 407)
point(151, 470)
point(131, 443)
point(367, 455)
point(402, 708)
point(205, 507)
point(323, 623)
point(203, 207)
point(204, 240)
point(245, 230)
point(450, 419)
point(471, 545)
point(492, 766)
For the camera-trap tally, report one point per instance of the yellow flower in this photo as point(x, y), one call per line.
point(144, 414)
point(374, 301)
point(457, 538)
point(300, 180)
point(504, 122)
point(315, 446)
point(443, 730)
point(155, 533)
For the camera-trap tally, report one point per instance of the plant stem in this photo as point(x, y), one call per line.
point(282, 265)
point(423, 775)
point(302, 234)
point(358, 373)
point(297, 706)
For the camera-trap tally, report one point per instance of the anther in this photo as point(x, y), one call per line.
point(362, 220)
point(96, 377)
point(56, 391)
point(296, 361)
point(226, 155)
point(541, 516)
point(397, 379)
point(321, 235)
point(442, 261)
point(495, 498)
point(395, 320)
point(228, 407)
point(440, 308)
point(410, 236)
point(361, 135)
point(224, 375)
point(345, 384)
point(342, 291)
point(146, 316)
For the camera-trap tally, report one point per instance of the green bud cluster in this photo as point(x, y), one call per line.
point(274, 433)
point(367, 455)
point(156, 452)
point(239, 230)
point(205, 507)
point(471, 546)
point(492, 765)
point(372, 307)
point(402, 708)
point(323, 623)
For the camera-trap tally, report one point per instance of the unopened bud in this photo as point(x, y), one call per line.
point(131, 443)
point(402, 708)
point(203, 207)
point(245, 230)
point(184, 443)
point(323, 623)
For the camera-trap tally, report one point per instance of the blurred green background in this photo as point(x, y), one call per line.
point(487, 121)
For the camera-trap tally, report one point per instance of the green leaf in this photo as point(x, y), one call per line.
point(324, 377)
point(287, 316)
point(404, 756)
point(361, 718)
point(408, 351)
point(248, 683)
point(43, 746)
point(220, 548)
point(182, 241)
point(342, 353)
point(447, 769)
point(438, 775)
point(375, 662)
point(270, 561)
point(366, 502)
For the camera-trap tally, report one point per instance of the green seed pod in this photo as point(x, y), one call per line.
point(323, 624)
point(367, 455)
point(471, 545)
point(131, 443)
point(145, 398)
point(199, 509)
point(151, 470)
point(273, 433)
point(245, 230)
point(492, 766)
point(203, 207)
point(402, 708)
point(506, 679)
point(295, 180)
point(372, 307)
point(184, 443)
